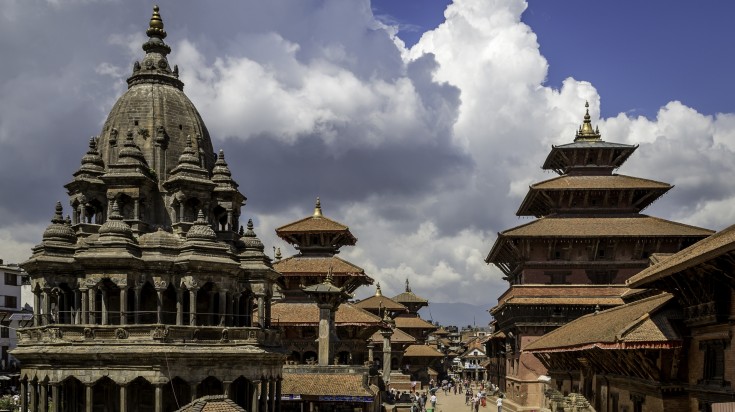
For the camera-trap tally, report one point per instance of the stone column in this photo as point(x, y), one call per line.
point(85, 305)
point(123, 398)
point(236, 320)
point(229, 320)
point(43, 397)
point(222, 307)
point(36, 307)
point(136, 209)
point(261, 311)
point(386, 354)
point(92, 305)
point(272, 395)
point(89, 400)
point(371, 348)
point(124, 305)
point(159, 305)
point(104, 306)
point(325, 335)
point(159, 398)
point(278, 394)
point(24, 395)
point(192, 307)
point(262, 402)
point(253, 396)
point(212, 315)
point(181, 212)
point(193, 390)
point(179, 306)
point(34, 396)
point(136, 303)
point(46, 303)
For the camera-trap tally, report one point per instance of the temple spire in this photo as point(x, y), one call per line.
point(408, 287)
point(155, 27)
point(318, 208)
point(586, 132)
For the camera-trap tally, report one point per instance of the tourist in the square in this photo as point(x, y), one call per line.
point(499, 402)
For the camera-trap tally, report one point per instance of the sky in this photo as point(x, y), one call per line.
point(419, 124)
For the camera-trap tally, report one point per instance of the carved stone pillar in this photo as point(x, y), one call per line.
point(193, 390)
point(136, 303)
point(179, 306)
point(371, 348)
point(325, 334)
point(88, 398)
point(159, 398)
point(262, 402)
point(104, 305)
point(271, 395)
point(261, 311)
point(24, 395)
point(192, 307)
point(278, 394)
point(236, 315)
point(222, 307)
point(227, 388)
point(43, 397)
point(159, 305)
point(34, 396)
point(92, 305)
point(123, 398)
point(136, 209)
point(212, 315)
point(386, 354)
point(229, 320)
point(85, 305)
point(124, 305)
point(37, 307)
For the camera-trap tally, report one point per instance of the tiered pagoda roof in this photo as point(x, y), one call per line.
point(318, 239)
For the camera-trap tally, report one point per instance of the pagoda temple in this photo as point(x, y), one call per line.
point(144, 296)
point(588, 239)
point(326, 337)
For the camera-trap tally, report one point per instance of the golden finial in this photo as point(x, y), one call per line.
point(155, 27)
point(330, 278)
point(318, 208)
point(408, 288)
point(278, 254)
point(378, 292)
point(585, 130)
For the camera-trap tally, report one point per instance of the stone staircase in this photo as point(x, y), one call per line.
point(402, 382)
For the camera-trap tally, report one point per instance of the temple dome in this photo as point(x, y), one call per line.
point(158, 112)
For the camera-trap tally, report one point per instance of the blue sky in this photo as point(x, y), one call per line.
point(639, 54)
point(424, 151)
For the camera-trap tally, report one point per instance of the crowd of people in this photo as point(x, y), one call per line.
point(476, 394)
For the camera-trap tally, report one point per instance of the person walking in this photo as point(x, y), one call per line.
point(433, 401)
point(499, 402)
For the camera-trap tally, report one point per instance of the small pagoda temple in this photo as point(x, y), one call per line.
point(588, 239)
point(326, 337)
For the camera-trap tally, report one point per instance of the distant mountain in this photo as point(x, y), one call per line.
point(457, 314)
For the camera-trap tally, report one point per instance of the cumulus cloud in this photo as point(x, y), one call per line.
point(424, 152)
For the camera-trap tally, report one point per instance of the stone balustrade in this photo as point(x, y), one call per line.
point(147, 334)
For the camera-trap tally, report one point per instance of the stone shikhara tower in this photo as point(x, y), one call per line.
point(144, 295)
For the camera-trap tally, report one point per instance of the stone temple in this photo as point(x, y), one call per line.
point(145, 293)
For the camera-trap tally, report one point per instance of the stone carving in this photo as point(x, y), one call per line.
point(160, 284)
point(121, 333)
point(88, 333)
point(225, 335)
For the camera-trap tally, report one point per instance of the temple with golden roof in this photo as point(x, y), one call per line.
point(588, 239)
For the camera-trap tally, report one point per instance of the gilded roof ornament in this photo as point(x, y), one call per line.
point(318, 208)
point(585, 131)
point(278, 255)
point(155, 27)
point(378, 292)
point(408, 287)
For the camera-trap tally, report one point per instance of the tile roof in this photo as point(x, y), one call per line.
point(313, 224)
point(409, 297)
point(635, 325)
point(398, 336)
point(716, 245)
point(422, 351)
point(309, 265)
point(614, 181)
point(381, 302)
point(580, 227)
point(329, 384)
point(212, 403)
point(307, 314)
point(604, 295)
point(412, 322)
